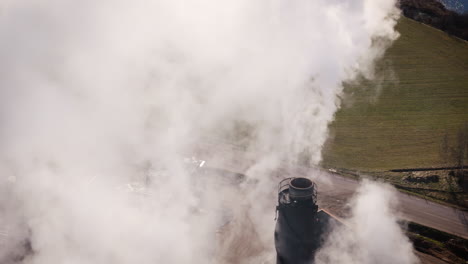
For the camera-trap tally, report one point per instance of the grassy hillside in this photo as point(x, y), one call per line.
point(400, 120)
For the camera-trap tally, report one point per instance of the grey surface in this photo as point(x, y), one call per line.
point(334, 191)
point(415, 209)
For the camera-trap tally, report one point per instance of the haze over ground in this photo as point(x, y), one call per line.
point(102, 93)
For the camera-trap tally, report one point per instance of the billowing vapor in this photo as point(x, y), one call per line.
point(102, 102)
point(371, 234)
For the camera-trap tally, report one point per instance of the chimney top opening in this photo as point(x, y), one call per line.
point(301, 183)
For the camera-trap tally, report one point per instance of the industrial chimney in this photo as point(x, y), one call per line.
point(299, 225)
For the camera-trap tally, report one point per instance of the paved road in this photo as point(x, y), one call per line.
point(334, 187)
point(434, 215)
point(335, 190)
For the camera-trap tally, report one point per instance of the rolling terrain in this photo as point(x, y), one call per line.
point(400, 119)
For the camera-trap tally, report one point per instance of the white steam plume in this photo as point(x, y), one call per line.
point(371, 234)
point(95, 94)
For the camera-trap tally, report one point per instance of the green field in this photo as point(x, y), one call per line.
point(400, 119)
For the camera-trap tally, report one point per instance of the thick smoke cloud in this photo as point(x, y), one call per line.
point(372, 233)
point(99, 94)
